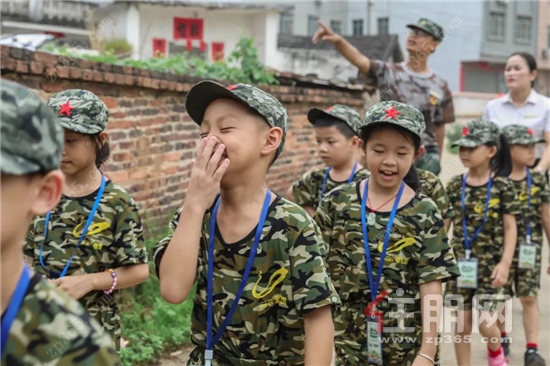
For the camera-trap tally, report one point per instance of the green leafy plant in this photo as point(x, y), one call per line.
point(117, 46)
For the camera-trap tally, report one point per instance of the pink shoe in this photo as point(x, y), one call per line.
point(500, 360)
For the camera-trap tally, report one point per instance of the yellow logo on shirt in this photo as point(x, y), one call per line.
point(524, 196)
point(480, 206)
point(92, 230)
point(276, 278)
point(397, 247)
point(434, 97)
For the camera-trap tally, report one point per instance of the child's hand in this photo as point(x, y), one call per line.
point(206, 174)
point(500, 275)
point(76, 286)
point(422, 361)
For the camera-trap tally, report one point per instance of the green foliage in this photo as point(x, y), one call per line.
point(243, 65)
point(454, 132)
point(117, 46)
point(151, 325)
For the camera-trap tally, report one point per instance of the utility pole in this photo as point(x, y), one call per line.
point(369, 5)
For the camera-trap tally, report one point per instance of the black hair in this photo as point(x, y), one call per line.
point(341, 126)
point(529, 59)
point(501, 163)
point(411, 178)
point(102, 149)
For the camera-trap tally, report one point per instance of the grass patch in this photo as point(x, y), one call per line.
point(151, 325)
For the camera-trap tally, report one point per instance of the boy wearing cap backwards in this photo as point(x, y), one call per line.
point(387, 246)
point(534, 198)
point(411, 82)
point(263, 293)
point(91, 244)
point(40, 324)
point(337, 134)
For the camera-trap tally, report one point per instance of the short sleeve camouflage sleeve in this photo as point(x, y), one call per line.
point(129, 237)
point(311, 285)
point(160, 247)
point(305, 189)
point(431, 186)
point(28, 242)
point(508, 197)
point(544, 187)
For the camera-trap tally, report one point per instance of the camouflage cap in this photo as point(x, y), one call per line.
point(432, 28)
point(396, 113)
point(204, 93)
point(478, 132)
point(80, 111)
point(341, 112)
point(520, 135)
point(31, 139)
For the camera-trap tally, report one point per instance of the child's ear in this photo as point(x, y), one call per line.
point(48, 192)
point(492, 151)
point(420, 152)
point(104, 136)
point(356, 141)
point(273, 140)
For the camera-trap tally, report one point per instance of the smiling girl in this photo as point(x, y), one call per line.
point(91, 244)
point(387, 248)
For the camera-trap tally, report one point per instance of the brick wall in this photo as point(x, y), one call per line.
point(151, 136)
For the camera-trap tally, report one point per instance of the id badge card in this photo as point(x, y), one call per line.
point(468, 273)
point(375, 325)
point(527, 255)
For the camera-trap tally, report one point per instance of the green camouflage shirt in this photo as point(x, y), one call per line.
point(488, 246)
point(432, 187)
point(540, 194)
point(52, 329)
point(114, 239)
point(307, 190)
point(289, 279)
point(418, 252)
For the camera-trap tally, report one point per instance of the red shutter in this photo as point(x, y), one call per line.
point(217, 51)
point(159, 47)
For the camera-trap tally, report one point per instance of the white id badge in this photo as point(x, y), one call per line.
point(527, 255)
point(468, 273)
point(374, 341)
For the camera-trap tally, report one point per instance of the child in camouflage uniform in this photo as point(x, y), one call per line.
point(431, 186)
point(484, 235)
point(407, 256)
point(92, 243)
point(337, 134)
point(40, 324)
point(534, 198)
point(263, 294)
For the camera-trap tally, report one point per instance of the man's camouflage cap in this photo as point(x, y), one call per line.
point(520, 135)
point(204, 93)
point(80, 111)
point(478, 132)
point(31, 139)
point(341, 112)
point(399, 114)
point(432, 28)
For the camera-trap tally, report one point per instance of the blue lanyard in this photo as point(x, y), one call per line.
point(82, 236)
point(374, 286)
point(210, 342)
point(468, 241)
point(326, 178)
point(528, 219)
point(14, 305)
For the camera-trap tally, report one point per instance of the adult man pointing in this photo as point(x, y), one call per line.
point(411, 82)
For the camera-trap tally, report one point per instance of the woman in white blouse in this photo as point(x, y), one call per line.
point(523, 105)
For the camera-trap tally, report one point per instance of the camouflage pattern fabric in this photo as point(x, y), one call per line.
point(429, 161)
point(430, 94)
point(478, 132)
point(53, 329)
point(307, 190)
point(344, 113)
point(289, 280)
point(418, 253)
point(488, 246)
point(204, 93)
point(80, 111)
point(431, 186)
point(432, 28)
point(526, 282)
point(396, 113)
point(31, 139)
point(114, 239)
point(520, 135)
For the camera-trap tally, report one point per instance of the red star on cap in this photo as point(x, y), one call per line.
point(465, 131)
point(392, 112)
point(66, 108)
point(329, 109)
point(530, 131)
point(231, 87)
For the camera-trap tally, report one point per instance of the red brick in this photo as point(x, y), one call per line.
point(163, 85)
point(172, 85)
point(75, 73)
point(86, 64)
point(8, 63)
point(156, 102)
point(22, 67)
point(119, 79)
point(147, 82)
point(88, 75)
point(118, 177)
point(170, 170)
point(5, 51)
point(155, 83)
point(186, 87)
point(128, 80)
point(110, 102)
point(46, 58)
point(179, 87)
point(175, 156)
point(98, 76)
point(138, 173)
point(109, 77)
point(128, 70)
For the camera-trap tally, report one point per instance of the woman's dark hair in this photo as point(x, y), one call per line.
point(411, 179)
point(501, 163)
point(102, 149)
point(529, 59)
point(341, 126)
